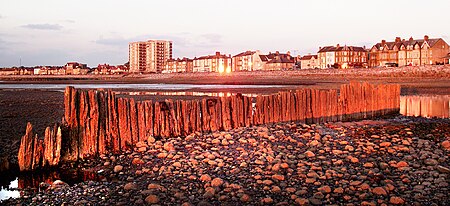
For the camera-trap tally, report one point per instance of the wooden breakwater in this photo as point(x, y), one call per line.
point(98, 122)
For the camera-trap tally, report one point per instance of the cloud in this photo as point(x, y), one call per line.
point(43, 26)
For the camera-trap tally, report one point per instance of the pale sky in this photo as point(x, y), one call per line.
point(53, 32)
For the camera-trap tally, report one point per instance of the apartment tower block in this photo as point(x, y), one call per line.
point(149, 56)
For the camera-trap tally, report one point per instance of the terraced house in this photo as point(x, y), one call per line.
point(410, 52)
point(212, 63)
point(342, 57)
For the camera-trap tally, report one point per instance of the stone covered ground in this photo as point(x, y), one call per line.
point(384, 162)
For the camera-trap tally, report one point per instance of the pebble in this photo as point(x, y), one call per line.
point(281, 164)
point(118, 168)
point(152, 199)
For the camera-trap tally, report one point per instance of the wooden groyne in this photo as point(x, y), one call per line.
point(98, 122)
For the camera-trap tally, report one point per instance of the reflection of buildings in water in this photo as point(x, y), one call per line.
point(425, 106)
point(208, 94)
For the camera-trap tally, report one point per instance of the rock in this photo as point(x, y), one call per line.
point(130, 186)
point(338, 190)
point(396, 200)
point(325, 189)
point(168, 146)
point(118, 168)
point(314, 143)
point(267, 200)
point(385, 144)
point(58, 184)
point(151, 140)
point(209, 192)
point(205, 178)
point(177, 164)
point(216, 182)
point(245, 198)
point(443, 169)
point(402, 164)
point(368, 165)
point(153, 186)
point(267, 182)
point(446, 144)
point(309, 154)
point(162, 155)
point(302, 201)
point(278, 177)
point(349, 148)
point(137, 161)
point(379, 191)
point(431, 162)
point(276, 189)
point(315, 201)
point(354, 160)
point(152, 199)
point(259, 162)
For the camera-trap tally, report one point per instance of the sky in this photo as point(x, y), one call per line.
point(53, 32)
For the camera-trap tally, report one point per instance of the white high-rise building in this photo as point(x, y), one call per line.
point(149, 56)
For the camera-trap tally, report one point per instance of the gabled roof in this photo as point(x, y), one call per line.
point(308, 57)
point(281, 60)
point(409, 42)
point(342, 48)
point(246, 53)
point(264, 58)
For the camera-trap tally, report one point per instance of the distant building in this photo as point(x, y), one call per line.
point(75, 68)
point(309, 62)
point(49, 70)
point(179, 65)
point(9, 71)
point(212, 63)
point(411, 52)
point(109, 69)
point(342, 57)
point(247, 61)
point(277, 61)
point(149, 56)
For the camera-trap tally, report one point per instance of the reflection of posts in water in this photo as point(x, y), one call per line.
point(425, 106)
point(32, 180)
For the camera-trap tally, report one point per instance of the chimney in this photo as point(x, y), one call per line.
point(217, 53)
point(397, 39)
point(277, 52)
point(425, 37)
point(320, 48)
point(337, 45)
point(411, 39)
point(383, 41)
point(288, 53)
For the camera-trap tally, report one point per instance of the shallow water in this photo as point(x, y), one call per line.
point(425, 106)
point(161, 87)
point(19, 181)
point(10, 191)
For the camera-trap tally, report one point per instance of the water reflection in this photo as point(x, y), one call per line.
point(33, 180)
point(10, 191)
point(425, 106)
point(208, 94)
point(137, 86)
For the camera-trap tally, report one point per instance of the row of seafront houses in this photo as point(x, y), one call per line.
point(156, 56)
point(71, 68)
